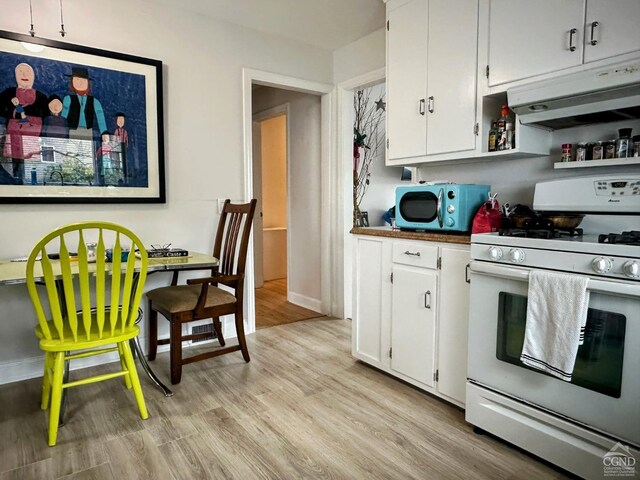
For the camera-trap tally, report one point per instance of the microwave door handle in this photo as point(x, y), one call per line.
point(439, 207)
point(514, 273)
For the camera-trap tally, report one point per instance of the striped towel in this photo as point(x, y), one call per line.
point(556, 318)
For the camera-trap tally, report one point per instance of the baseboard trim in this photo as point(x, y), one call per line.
point(32, 367)
point(306, 302)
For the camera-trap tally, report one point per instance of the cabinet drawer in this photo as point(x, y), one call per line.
point(416, 254)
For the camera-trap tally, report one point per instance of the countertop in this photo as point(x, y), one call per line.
point(460, 238)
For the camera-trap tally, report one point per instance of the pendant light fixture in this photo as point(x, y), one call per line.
point(32, 32)
point(62, 32)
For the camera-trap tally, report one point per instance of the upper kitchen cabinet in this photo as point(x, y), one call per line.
point(431, 79)
point(612, 28)
point(533, 38)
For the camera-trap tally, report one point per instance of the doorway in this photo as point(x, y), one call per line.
point(279, 227)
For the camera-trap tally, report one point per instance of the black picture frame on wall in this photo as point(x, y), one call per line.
point(79, 124)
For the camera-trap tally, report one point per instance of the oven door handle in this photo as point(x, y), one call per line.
point(611, 286)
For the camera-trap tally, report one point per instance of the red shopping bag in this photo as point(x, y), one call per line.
point(488, 219)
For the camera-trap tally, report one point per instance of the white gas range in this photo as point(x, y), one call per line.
point(571, 424)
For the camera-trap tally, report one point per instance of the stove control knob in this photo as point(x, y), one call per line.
point(516, 255)
point(631, 269)
point(601, 265)
point(495, 253)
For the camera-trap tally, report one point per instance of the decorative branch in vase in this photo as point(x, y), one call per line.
point(368, 140)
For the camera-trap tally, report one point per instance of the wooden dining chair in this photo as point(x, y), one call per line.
point(75, 318)
point(201, 298)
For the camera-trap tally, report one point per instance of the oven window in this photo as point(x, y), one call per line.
point(419, 206)
point(599, 361)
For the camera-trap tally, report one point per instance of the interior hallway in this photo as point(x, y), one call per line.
point(272, 307)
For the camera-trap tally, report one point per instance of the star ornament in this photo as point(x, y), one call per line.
point(381, 105)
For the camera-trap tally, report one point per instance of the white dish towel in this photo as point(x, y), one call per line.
point(556, 317)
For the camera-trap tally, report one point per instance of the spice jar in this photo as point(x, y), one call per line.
point(589, 155)
point(566, 152)
point(622, 143)
point(598, 151)
point(610, 149)
point(581, 152)
point(636, 145)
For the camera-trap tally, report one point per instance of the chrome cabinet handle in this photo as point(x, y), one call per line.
point(427, 299)
point(416, 254)
point(439, 207)
point(421, 107)
point(466, 273)
point(593, 33)
point(431, 104)
point(572, 32)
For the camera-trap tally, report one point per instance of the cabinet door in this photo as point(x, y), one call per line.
point(531, 38)
point(407, 80)
point(370, 307)
point(617, 30)
point(453, 323)
point(451, 75)
point(413, 319)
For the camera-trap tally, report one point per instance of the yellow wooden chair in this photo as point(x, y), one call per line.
point(79, 321)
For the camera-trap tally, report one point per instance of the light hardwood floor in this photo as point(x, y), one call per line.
point(272, 307)
point(302, 408)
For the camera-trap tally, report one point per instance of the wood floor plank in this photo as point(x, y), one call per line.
point(302, 408)
point(272, 307)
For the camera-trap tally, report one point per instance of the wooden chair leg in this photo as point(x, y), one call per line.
point(175, 347)
point(153, 332)
point(56, 397)
point(134, 379)
point(240, 331)
point(217, 327)
point(123, 365)
point(46, 380)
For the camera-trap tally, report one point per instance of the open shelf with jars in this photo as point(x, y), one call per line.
point(608, 162)
point(529, 141)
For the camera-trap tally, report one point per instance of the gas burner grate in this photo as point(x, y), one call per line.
point(547, 233)
point(625, 238)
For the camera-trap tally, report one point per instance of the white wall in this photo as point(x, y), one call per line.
point(380, 195)
point(304, 194)
point(203, 61)
point(360, 57)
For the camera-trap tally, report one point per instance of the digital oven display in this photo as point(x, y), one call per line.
point(618, 184)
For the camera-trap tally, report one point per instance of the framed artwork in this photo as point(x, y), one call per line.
point(78, 124)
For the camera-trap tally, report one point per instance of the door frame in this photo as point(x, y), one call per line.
point(326, 93)
point(260, 117)
point(344, 180)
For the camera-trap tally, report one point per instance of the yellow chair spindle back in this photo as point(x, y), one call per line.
point(126, 287)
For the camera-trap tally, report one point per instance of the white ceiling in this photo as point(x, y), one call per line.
point(328, 24)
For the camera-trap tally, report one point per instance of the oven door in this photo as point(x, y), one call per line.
point(604, 393)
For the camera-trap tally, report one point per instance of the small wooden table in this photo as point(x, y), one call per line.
point(12, 273)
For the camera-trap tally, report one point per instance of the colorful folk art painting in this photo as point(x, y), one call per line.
point(79, 123)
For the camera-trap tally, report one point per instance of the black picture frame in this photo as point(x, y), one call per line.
point(79, 124)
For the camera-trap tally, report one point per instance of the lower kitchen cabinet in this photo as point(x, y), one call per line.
point(410, 312)
point(413, 323)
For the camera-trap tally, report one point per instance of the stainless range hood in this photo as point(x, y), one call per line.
point(605, 94)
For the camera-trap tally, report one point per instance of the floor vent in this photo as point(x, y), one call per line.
point(206, 328)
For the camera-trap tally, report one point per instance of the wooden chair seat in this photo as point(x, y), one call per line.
point(202, 299)
point(184, 298)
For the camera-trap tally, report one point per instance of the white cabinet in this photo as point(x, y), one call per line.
point(612, 28)
point(530, 38)
point(453, 322)
point(372, 287)
point(431, 78)
point(407, 80)
point(533, 38)
point(410, 313)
